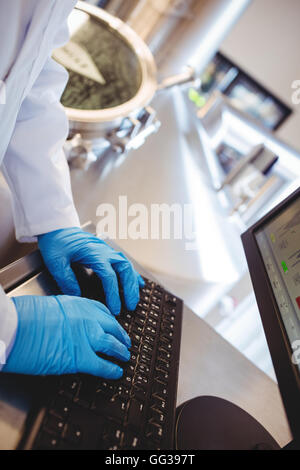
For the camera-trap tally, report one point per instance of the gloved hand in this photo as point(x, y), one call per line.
point(61, 335)
point(62, 247)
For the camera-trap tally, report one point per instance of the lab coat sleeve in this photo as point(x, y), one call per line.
point(8, 326)
point(34, 165)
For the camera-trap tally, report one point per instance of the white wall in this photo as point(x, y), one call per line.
point(266, 43)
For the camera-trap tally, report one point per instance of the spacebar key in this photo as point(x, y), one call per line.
point(135, 413)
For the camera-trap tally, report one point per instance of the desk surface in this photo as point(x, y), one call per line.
point(211, 366)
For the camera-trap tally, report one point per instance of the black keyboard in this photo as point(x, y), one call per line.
point(135, 412)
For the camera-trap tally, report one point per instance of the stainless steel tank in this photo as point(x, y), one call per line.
point(112, 73)
point(168, 168)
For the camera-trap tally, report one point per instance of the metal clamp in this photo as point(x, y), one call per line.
point(133, 132)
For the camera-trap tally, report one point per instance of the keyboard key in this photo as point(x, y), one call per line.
point(143, 369)
point(69, 386)
point(148, 342)
point(131, 440)
point(113, 408)
point(61, 407)
point(161, 375)
point(157, 417)
point(167, 334)
point(140, 321)
point(146, 348)
point(110, 436)
point(143, 305)
point(164, 355)
point(134, 358)
point(122, 392)
point(141, 312)
point(155, 307)
point(54, 424)
point(159, 390)
point(145, 358)
point(105, 388)
point(138, 392)
point(148, 338)
point(171, 300)
point(164, 366)
point(128, 317)
point(137, 330)
point(135, 348)
point(126, 379)
point(145, 298)
point(150, 330)
point(126, 325)
point(159, 404)
point(129, 370)
point(153, 314)
point(158, 292)
point(165, 362)
point(168, 318)
point(136, 338)
point(166, 326)
point(171, 311)
point(158, 288)
point(141, 380)
point(165, 343)
point(47, 442)
point(152, 322)
point(86, 392)
point(146, 291)
point(135, 413)
point(150, 284)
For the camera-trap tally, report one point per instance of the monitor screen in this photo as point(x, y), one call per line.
point(279, 245)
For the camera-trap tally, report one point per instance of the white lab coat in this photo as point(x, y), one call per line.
point(33, 126)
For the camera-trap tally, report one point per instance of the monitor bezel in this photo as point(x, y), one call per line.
point(288, 375)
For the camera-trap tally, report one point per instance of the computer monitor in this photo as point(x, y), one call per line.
point(272, 248)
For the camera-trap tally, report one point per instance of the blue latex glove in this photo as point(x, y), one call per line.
point(62, 247)
point(61, 335)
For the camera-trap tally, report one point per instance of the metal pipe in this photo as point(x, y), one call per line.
point(199, 35)
point(186, 76)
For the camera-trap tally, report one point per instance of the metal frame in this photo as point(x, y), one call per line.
point(286, 372)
